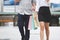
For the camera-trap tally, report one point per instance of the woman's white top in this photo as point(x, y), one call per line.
point(41, 3)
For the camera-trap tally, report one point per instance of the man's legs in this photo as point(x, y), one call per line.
point(47, 30)
point(20, 25)
point(27, 32)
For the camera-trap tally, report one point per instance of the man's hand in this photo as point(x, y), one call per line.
point(33, 7)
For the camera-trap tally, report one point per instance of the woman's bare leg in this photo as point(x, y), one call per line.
point(47, 30)
point(42, 25)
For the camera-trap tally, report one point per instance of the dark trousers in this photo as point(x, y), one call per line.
point(23, 21)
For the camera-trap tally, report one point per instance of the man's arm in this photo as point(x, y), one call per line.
point(17, 0)
point(33, 5)
point(47, 0)
point(33, 2)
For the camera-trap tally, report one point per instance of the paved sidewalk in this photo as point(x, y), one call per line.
point(12, 33)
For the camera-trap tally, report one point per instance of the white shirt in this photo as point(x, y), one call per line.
point(41, 3)
point(25, 7)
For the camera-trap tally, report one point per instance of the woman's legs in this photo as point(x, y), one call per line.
point(42, 25)
point(47, 30)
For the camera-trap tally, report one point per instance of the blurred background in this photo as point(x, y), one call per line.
point(8, 13)
point(8, 21)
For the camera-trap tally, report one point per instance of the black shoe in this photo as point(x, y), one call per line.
point(26, 39)
point(27, 35)
point(23, 38)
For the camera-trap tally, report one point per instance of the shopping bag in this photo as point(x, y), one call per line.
point(35, 17)
point(30, 23)
point(33, 22)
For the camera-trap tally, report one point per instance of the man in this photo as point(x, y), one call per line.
point(44, 17)
point(24, 10)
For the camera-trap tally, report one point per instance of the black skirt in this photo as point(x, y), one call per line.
point(44, 14)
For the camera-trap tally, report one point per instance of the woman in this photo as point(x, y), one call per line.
point(44, 17)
